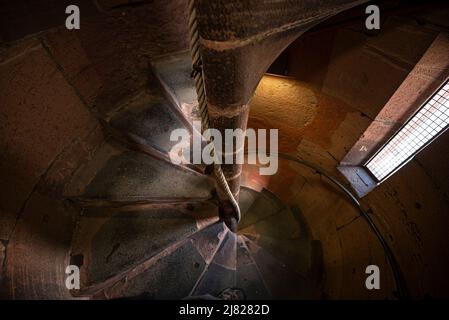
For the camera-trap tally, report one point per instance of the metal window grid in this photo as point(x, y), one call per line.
point(429, 122)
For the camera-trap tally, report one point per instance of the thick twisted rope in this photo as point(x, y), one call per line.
point(197, 75)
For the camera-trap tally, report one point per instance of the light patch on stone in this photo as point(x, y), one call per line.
point(284, 100)
point(205, 222)
point(190, 110)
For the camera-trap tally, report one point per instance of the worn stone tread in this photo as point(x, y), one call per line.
point(249, 278)
point(173, 71)
point(119, 175)
point(149, 120)
point(265, 205)
point(280, 280)
point(221, 272)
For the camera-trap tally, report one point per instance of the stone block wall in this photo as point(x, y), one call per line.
point(341, 78)
point(54, 84)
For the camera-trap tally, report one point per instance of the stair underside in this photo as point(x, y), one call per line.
point(174, 73)
point(121, 176)
point(147, 124)
point(149, 229)
point(169, 267)
point(182, 251)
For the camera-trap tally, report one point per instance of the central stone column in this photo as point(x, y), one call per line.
point(239, 40)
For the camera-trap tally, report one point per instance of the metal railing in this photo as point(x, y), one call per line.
point(402, 290)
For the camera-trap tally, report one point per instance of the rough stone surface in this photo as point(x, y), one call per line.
point(414, 220)
point(58, 176)
point(130, 237)
point(226, 255)
point(424, 79)
point(67, 50)
point(41, 115)
point(20, 18)
point(174, 72)
point(39, 250)
point(344, 110)
point(265, 205)
point(344, 74)
point(102, 246)
point(150, 120)
point(281, 282)
point(277, 99)
point(179, 271)
point(216, 279)
point(2, 257)
point(353, 84)
point(286, 238)
point(118, 175)
point(248, 276)
point(108, 58)
point(247, 198)
point(434, 163)
point(364, 258)
point(207, 241)
point(319, 210)
point(221, 273)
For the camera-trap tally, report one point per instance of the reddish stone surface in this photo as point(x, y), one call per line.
point(61, 171)
point(2, 257)
point(433, 161)
point(21, 17)
point(347, 243)
point(41, 115)
point(65, 47)
point(353, 78)
point(423, 80)
point(39, 250)
point(43, 89)
point(47, 132)
point(316, 49)
point(107, 59)
point(414, 220)
point(409, 208)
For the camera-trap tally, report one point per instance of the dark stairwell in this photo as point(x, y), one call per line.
point(87, 180)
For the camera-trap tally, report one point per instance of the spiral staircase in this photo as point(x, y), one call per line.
point(150, 229)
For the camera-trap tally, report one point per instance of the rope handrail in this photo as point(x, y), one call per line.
point(197, 75)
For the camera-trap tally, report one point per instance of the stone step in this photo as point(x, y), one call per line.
point(104, 240)
point(220, 274)
point(246, 199)
point(281, 282)
point(174, 73)
point(265, 205)
point(249, 278)
point(147, 121)
point(170, 273)
point(284, 237)
point(119, 176)
point(294, 254)
point(281, 225)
